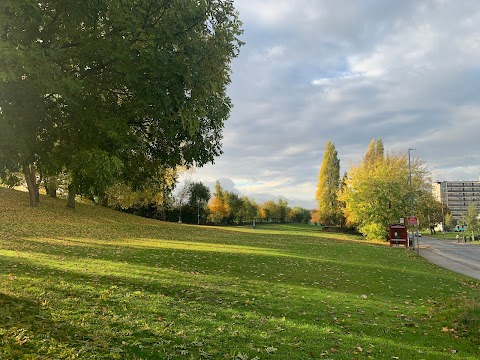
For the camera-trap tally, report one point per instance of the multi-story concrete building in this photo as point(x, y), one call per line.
point(458, 195)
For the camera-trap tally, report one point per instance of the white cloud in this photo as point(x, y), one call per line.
point(267, 11)
point(372, 65)
point(333, 81)
point(298, 149)
point(347, 72)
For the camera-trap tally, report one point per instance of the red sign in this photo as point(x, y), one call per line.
point(412, 220)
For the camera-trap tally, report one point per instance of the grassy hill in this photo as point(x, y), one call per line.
point(95, 283)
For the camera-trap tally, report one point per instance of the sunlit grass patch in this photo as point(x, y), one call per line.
point(133, 288)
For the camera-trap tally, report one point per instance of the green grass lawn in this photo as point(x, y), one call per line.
point(97, 284)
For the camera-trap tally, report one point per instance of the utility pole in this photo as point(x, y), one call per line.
point(411, 199)
point(198, 211)
point(442, 193)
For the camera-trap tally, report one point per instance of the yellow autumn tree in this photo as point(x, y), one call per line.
point(376, 192)
point(217, 209)
point(376, 195)
point(262, 213)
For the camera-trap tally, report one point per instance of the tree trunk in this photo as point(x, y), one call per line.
point(51, 189)
point(105, 201)
point(71, 198)
point(31, 179)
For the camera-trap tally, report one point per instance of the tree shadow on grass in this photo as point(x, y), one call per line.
point(29, 331)
point(251, 262)
point(194, 295)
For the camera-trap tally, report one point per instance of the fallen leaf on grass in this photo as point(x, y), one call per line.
point(241, 356)
point(270, 349)
point(447, 329)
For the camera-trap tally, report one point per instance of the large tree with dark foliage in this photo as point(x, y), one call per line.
point(112, 90)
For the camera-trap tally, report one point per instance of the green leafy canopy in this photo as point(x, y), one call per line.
point(141, 82)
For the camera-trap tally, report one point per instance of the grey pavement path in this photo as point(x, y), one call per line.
point(463, 258)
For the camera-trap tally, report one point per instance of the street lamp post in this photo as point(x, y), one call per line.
point(443, 219)
point(411, 198)
point(198, 212)
point(443, 211)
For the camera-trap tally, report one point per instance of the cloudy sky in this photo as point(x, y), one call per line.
point(345, 71)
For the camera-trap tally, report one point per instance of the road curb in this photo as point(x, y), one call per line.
point(450, 262)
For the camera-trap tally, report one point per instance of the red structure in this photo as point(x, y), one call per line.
point(398, 235)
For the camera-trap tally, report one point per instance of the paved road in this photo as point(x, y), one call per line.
point(463, 258)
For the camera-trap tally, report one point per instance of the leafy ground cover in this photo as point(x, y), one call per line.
point(97, 284)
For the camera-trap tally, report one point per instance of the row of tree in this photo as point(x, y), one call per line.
point(228, 207)
point(376, 192)
point(193, 203)
point(108, 95)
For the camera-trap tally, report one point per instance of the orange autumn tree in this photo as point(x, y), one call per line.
point(262, 213)
point(315, 217)
point(217, 209)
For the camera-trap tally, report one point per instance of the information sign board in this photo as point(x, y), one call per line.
point(412, 220)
